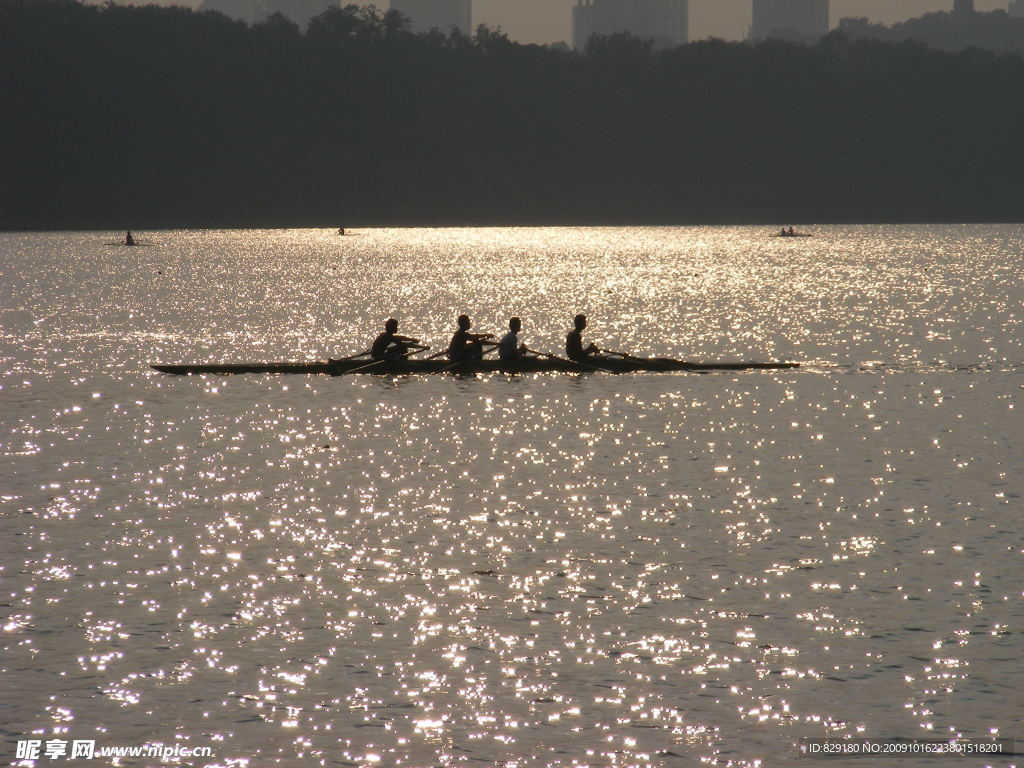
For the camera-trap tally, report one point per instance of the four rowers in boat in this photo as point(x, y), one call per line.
point(466, 346)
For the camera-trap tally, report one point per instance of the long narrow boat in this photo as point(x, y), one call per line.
point(405, 367)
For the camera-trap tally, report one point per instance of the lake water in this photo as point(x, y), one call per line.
point(545, 570)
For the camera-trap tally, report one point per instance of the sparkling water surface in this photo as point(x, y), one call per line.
point(542, 570)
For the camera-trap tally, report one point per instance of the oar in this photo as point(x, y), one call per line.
point(457, 362)
point(492, 344)
point(619, 354)
point(388, 359)
point(350, 357)
point(445, 351)
point(666, 361)
point(575, 362)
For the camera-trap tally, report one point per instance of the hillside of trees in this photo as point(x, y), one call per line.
point(994, 31)
point(148, 117)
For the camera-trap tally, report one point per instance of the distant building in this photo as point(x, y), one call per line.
point(1016, 8)
point(963, 6)
point(666, 22)
point(442, 15)
point(789, 19)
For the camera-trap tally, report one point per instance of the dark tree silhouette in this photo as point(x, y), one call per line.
point(995, 31)
point(150, 116)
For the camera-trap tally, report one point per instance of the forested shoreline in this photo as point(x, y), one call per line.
point(150, 117)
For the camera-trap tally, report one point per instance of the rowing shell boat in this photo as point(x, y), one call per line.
point(528, 365)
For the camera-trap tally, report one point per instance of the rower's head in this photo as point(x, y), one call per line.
point(463, 322)
point(580, 321)
point(391, 325)
point(514, 324)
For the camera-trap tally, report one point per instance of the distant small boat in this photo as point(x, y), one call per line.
point(129, 240)
point(792, 234)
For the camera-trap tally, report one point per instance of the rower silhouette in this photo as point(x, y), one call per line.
point(128, 239)
point(509, 347)
point(390, 344)
point(465, 345)
point(574, 348)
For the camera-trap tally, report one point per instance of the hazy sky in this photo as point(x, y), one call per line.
point(547, 21)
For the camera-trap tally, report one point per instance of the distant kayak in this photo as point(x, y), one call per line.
point(793, 234)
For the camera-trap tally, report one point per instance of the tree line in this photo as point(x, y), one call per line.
point(993, 31)
point(150, 117)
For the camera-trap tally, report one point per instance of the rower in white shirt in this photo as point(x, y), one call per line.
point(509, 347)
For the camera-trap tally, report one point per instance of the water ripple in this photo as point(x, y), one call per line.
point(556, 570)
